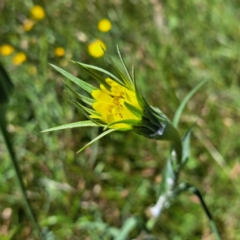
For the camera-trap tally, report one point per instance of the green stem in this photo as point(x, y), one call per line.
point(172, 134)
point(170, 172)
point(7, 140)
point(194, 190)
point(212, 222)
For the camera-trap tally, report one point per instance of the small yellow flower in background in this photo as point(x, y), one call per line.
point(104, 25)
point(37, 12)
point(28, 25)
point(6, 50)
point(32, 70)
point(19, 58)
point(59, 51)
point(96, 47)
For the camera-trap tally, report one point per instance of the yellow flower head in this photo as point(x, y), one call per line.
point(28, 25)
point(19, 58)
point(37, 12)
point(96, 47)
point(6, 50)
point(59, 52)
point(110, 104)
point(115, 105)
point(104, 25)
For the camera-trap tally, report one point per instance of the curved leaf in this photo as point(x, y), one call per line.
point(184, 102)
point(87, 123)
point(87, 87)
point(96, 138)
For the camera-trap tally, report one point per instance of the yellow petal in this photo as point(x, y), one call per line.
point(101, 96)
point(110, 104)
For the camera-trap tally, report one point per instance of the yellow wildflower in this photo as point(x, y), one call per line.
point(115, 105)
point(104, 25)
point(59, 51)
point(37, 12)
point(6, 50)
point(28, 25)
point(19, 58)
point(110, 104)
point(96, 47)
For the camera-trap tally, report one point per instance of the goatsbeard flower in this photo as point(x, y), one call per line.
point(111, 105)
point(116, 105)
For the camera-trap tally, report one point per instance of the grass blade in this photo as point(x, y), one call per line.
point(128, 226)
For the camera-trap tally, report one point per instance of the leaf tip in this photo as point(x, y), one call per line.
point(79, 151)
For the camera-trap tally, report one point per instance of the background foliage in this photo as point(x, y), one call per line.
point(173, 45)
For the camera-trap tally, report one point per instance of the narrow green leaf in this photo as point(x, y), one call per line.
point(125, 67)
point(133, 73)
point(95, 75)
point(96, 139)
point(82, 109)
point(87, 87)
point(79, 107)
point(128, 226)
point(86, 109)
point(87, 123)
point(124, 79)
point(136, 111)
point(87, 100)
point(83, 98)
point(126, 121)
point(100, 70)
point(184, 102)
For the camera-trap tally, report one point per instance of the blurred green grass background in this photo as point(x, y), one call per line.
point(173, 45)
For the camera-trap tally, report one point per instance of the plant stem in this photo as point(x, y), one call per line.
point(212, 222)
point(188, 187)
point(174, 137)
point(11, 151)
